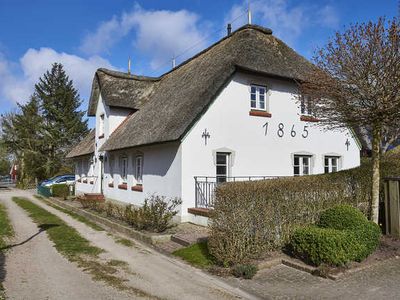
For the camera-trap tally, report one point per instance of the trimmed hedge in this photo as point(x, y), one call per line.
point(250, 218)
point(326, 245)
point(342, 217)
point(60, 190)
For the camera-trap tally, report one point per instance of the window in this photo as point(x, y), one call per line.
point(301, 165)
point(222, 167)
point(258, 97)
point(306, 106)
point(111, 168)
point(331, 164)
point(101, 126)
point(124, 168)
point(139, 169)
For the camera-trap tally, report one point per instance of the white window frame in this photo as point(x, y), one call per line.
point(139, 169)
point(101, 125)
point(329, 167)
point(257, 96)
point(306, 106)
point(124, 168)
point(222, 178)
point(301, 159)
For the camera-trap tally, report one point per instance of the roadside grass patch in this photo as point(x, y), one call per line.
point(6, 231)
point(72, 214)
point(125, 242)
point(197, 255)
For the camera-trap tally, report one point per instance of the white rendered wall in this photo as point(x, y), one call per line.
point(255, 151)
point(161, 173)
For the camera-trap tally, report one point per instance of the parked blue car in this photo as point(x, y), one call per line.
point(67, 179)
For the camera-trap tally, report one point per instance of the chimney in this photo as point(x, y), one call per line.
point(129, 65)
point(229, 28)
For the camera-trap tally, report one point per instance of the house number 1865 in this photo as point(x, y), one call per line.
point(281, 130)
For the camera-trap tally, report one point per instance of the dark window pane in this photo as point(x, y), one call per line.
point(253, 104)
point(334, 162)
point(296, 160)
point(296, 170)
point(262, 91)
point(334, 169)
point(326, 169)
point(221, 170)
point(221, 158)
point(305, 170)
point(253, 89)
point(253, 97)
point(326, 161)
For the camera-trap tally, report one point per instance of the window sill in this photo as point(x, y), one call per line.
point(84, 181)
point(308, 119)
point(123, 186)
point(137, 188)
point(101, 136)
point(259, 113)
point(111, 185)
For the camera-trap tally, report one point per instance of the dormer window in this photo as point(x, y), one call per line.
point(258, 97)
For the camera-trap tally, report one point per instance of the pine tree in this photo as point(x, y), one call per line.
point(63, 125)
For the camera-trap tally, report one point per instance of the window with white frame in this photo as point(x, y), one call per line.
point(258, 97)
point(111, 168)
point(331, 164)
point(222, 167)
point(139, 169)
point(301, 165)
point(306, 105)
point(101, 126)
point(124, 168)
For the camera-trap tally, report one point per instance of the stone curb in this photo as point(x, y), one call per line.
point(144, 237)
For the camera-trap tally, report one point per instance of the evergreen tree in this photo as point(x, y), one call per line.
point(63, 125)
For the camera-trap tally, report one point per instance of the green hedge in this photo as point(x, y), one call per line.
point(253, 217)
point(326, 245)
point(342, 217)
point(60, 190)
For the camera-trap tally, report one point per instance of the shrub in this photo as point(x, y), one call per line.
point(60, 190)
point(245, 271)
point(252, 217)
point(342, 217)
point(369, 235)
point(325, 245)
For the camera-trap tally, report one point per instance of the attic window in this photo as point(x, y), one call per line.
point(101, 126)
point(306, 106)
point(258, 97)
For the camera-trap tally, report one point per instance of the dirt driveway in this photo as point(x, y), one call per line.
point(35, 270)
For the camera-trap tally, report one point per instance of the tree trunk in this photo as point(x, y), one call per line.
point(376, 157)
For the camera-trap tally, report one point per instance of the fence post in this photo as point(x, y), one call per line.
point(392, 205)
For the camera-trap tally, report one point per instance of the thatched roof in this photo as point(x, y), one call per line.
point(169, 105)
point(85, 147)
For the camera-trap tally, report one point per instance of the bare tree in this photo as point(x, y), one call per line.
point(357, 84)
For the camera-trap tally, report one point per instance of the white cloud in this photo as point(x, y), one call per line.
point(285, 19)
point(18, 79)
point(159, 34)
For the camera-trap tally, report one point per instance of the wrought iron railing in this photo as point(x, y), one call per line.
point(205, 187)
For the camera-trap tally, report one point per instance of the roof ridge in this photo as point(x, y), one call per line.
point(123, 75)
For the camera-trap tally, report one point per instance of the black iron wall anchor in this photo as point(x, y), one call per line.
point(347, 144)
point(205, 136)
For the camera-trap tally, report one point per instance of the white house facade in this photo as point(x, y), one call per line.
point(230, 113)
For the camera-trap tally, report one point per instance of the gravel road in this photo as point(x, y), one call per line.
point(35, 270)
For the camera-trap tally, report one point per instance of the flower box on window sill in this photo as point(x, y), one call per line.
point(137, 188)
point(259, 113)
point(84, 181)
point(101, 136)
point(91, 182)
point(123, 186)
point(111, 185)
point(308, 119)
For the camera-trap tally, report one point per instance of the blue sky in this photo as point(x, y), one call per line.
point(85, 35)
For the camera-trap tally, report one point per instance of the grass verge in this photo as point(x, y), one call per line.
point(72, 214)
point(6, 231)
point(196, 254)
point(125, 242)
point(77, 249)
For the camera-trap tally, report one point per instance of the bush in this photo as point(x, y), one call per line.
point(325, 245)
point(252, 217)
point(60, 190)
point(244, 271)
point(342, 217)
point(343, 234)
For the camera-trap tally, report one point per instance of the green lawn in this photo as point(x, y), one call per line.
point(5, 226)
point(72, 214)
point(196, 254)
point(66, 239)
